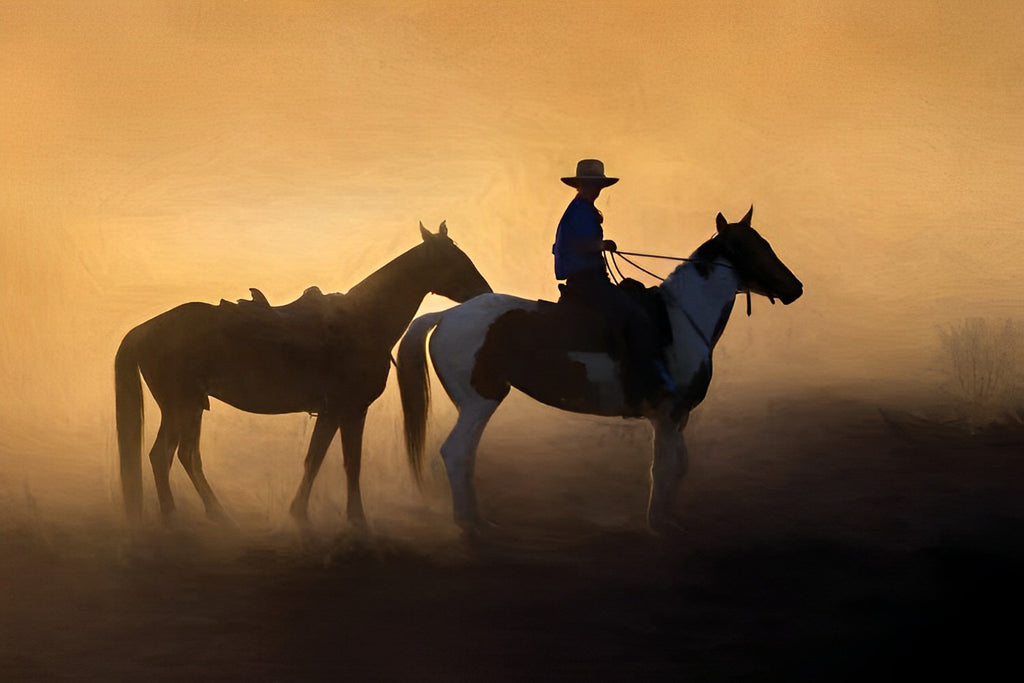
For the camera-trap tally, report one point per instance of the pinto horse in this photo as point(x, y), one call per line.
point(482, 348)
point(324, 354)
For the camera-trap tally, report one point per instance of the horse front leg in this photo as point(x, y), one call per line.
point(352, 448)
point(323, 433)
point(667, 471)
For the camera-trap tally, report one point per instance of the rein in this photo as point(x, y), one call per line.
point(661, 256)
point(625, 257)
point(626, 254)
point(693, 323)
point(641, 268)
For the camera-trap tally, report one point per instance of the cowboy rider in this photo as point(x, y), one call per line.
point(579, 260)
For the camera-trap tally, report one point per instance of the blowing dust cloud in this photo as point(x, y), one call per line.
point(161, 153)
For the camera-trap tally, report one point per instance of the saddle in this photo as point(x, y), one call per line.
point(304, 323)
point(311, 299)
point(311, 305)
point(575, 325)
point(521, 340)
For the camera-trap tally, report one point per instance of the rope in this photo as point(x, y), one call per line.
point(608, 268)
point(625, 257)
point(670, 258)
point(669, 297)
point(638, 266)
point(663, 256)
point(610, 263)
point(616, 264)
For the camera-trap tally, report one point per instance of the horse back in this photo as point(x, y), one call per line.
point(260, 358)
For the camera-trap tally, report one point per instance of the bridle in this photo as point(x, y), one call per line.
point(616, 275)
point(612, 266)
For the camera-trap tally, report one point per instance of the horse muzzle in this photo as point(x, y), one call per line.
point(792, 293)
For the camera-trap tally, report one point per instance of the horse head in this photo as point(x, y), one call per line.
point(759, 269)
point(453, 275)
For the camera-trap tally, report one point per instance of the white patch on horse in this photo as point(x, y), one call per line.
point(705, 300)
point(603, 372)
point(460, 335)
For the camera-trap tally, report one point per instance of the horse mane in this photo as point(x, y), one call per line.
point(705, 254)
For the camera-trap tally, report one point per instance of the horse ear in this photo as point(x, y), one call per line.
point(750, 214)
point(443, 230)
point(424, 232)
point(720, 222)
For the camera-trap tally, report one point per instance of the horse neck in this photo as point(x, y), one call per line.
point(389, 297)
point(704, 295)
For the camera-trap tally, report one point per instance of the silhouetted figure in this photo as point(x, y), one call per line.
point(579, 243)
point(328, 354)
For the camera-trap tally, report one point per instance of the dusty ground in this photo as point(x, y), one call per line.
point(819, 546)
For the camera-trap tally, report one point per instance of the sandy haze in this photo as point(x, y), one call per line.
point(162, 152)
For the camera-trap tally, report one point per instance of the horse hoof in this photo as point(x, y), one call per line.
point(480, 529)
point(300, 513)
point(220, 518)
point(667, 528)
point(359, 525)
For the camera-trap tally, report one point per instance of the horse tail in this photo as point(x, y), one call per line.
point(414, 386)
point(129, 410)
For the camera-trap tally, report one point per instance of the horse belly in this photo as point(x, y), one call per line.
point(269, 391)
point(304, 384)
point(579, 382)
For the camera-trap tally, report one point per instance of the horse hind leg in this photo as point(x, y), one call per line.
point(161, 457)
point(188, 454)
point(459, 455)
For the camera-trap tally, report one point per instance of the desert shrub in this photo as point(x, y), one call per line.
point(985, 363)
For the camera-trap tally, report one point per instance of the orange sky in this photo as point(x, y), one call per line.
point(158, 152)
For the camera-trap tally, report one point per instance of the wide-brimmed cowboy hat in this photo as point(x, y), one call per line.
point(591, 172)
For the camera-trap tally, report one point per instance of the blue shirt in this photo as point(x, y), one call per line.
point(577, 238)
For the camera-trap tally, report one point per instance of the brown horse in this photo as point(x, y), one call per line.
point(323, 354)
